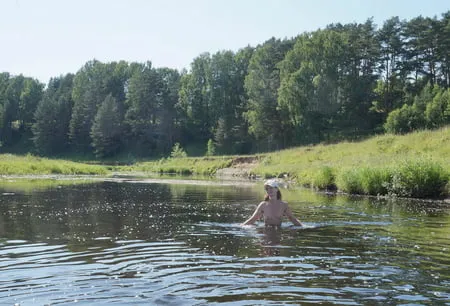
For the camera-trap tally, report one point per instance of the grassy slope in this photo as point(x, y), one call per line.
point(415, 165)
point(380, 165)
point(375, 152)
point(359, 167)
point(28, 164)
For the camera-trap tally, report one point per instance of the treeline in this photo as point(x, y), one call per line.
point(341, 82)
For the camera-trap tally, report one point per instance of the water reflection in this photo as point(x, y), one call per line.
point(180, 244)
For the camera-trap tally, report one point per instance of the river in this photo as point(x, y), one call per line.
point(141, 242)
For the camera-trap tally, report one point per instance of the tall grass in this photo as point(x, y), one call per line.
point(413, 165)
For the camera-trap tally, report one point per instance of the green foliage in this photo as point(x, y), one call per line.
point(364, 180)
point(349, 181)
point(213, 99)
point(323, 178)
point(195, 100)
point(187, 165)
point(383, 165)
point(107, 128)
point(210, 148)
point(427, 111)
point(20, 165)
point(403, 120)
point(340, 82)
point(419, 178)
point(91, 85)
point(151, 113)
point(435, 113)
point(177, 151)
point(87, 94)
point(261, 84)
point(19, 97)
point(222, 137)
point(366, 167)
point(52, 117)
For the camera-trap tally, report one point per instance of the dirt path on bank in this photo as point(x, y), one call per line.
point(240, 167)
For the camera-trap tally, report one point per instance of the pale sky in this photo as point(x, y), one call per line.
point(48, 38)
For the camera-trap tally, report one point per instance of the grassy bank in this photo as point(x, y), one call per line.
point(413, 165)
point(28, 164)
point(182, 166)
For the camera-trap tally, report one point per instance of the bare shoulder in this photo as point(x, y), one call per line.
point(261, 205)
point(285, 205)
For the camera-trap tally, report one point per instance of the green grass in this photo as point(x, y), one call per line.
point(28, 164)
point(183, 166)
point(413, 165)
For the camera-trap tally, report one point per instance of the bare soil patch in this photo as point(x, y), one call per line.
point(240, 167)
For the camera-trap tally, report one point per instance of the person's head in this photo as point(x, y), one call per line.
point(272, 190)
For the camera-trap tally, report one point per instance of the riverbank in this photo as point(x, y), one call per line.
point(414, 165)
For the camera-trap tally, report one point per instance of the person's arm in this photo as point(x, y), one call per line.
point(291, 216)
point(256, 215)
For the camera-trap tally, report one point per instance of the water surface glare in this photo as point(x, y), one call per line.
point(140, 243)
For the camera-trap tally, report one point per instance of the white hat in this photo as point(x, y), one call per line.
point(272, 183)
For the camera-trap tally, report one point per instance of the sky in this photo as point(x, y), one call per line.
point(49, 38)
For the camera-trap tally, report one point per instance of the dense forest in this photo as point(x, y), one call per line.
point(345, 81)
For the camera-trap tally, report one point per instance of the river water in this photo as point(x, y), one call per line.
point(180, 243)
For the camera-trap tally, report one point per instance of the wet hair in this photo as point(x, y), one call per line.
point(266, 197)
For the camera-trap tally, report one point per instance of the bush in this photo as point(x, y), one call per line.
point(375, 181)
point(365, 180)
point(404, 120)
point(420, 178)
point(323, 178)
point(349, 181)
point(177, 151)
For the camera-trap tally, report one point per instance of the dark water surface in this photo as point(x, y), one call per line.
point(140, 243)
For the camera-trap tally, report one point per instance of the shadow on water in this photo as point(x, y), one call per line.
point(182, 244)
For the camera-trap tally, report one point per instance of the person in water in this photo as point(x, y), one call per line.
point(272, 208)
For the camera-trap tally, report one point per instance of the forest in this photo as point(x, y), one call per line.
point(342, 82)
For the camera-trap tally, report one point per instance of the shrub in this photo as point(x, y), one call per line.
point(349, 180)
point(403, 120)
point(177, 151)
point(375, 181)
point(420, 178)
point(323, 178)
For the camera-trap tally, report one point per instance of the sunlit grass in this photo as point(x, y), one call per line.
point(183, 166)
point(413, 165)
point(29, 164)
point(400, 165)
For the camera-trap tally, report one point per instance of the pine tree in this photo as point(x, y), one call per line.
point(107, 128)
